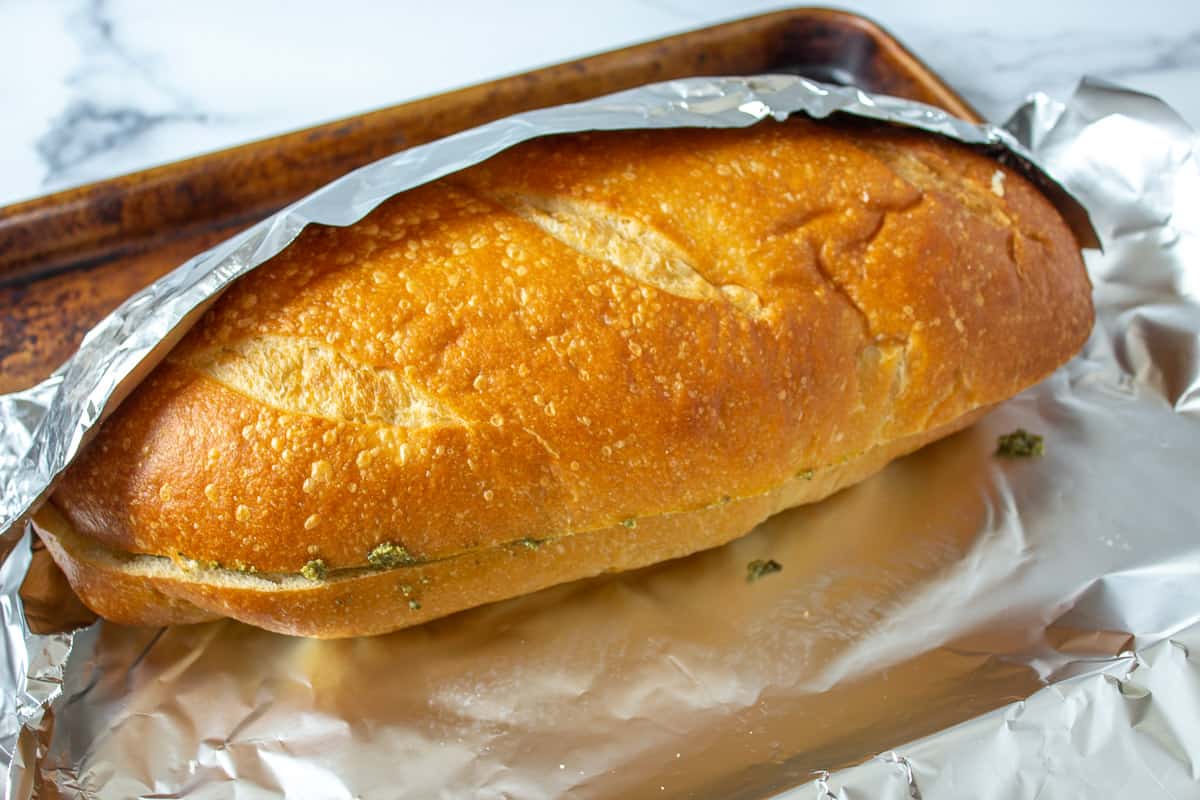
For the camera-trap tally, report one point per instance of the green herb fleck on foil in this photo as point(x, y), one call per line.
point(1020, 444)
point(759, 568)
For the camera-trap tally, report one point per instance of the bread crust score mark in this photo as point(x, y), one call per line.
point(580, 333)
point(307, 377)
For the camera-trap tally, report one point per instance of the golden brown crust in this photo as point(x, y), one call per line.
point(586, 330)
point(156, 591)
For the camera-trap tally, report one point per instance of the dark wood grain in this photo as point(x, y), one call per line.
point(68, 259)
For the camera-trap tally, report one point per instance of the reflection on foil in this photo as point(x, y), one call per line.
point(1130, 727)
point(682, 674)
point(957, 626)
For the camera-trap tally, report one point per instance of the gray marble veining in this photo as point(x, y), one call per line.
point(98, 120)
point(96, 88)
point(995, 71)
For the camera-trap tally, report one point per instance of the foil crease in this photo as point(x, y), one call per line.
point(883, 661)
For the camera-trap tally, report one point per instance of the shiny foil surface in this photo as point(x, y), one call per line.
point(961, 625)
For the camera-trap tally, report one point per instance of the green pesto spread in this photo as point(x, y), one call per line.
point(1020, 444)
point(389, 555)
point(629, 523)
point(759, 568)
point(314, 570)
point(189, 563)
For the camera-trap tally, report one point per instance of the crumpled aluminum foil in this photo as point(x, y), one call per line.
point(913, 608)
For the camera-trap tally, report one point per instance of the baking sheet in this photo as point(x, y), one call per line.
point(952, 584)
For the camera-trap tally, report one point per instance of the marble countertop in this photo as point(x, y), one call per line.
point(96, 88)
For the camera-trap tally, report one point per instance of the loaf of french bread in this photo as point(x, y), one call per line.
point(590, 353)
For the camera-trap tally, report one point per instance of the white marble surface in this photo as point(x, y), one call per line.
point(95, 88)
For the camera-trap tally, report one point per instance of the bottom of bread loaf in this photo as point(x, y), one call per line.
point(156, 590)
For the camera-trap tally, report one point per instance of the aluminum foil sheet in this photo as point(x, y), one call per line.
point(960, 625)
